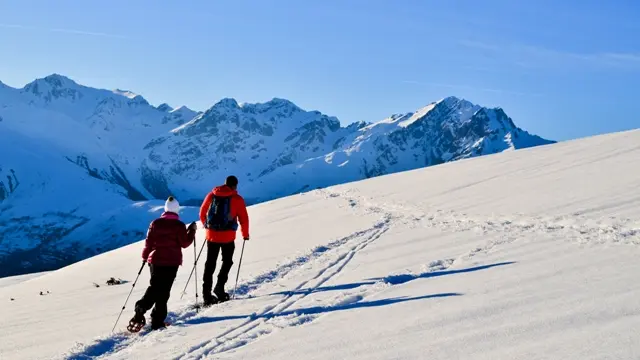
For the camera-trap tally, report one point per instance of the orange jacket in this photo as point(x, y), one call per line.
point(238, 211)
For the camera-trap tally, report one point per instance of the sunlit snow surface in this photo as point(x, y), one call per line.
point(530, 254)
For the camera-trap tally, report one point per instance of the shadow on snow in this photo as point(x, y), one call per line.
point(100, 347)
point(117, 342)
point(392, 279)
point(318, 309)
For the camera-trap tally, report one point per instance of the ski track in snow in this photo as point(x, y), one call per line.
point(272, 317)
point(577, 228)
point(265, 321)
point(115, 343)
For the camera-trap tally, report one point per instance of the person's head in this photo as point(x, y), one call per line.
point(172, 205)
point(232, 182)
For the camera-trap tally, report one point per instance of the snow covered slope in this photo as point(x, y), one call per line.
point(520, 255)
point(76, 160)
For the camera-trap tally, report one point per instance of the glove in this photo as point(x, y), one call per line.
point(246, 238)
point(193, 226)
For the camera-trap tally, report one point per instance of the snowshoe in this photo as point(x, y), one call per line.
point(136, 323)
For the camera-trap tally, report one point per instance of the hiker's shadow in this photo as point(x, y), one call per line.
point(391, 279)
point(318, 309)
point(356, 302)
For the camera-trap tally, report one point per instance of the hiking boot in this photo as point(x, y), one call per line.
point(221, 295)
point(209, 300)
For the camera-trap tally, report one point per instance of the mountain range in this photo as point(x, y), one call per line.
point(84, 170)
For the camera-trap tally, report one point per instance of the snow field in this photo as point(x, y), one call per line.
point(530, 254)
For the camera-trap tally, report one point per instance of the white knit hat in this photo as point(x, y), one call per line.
point(172, 205)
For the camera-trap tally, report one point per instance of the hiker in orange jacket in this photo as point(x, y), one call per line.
point(220, 213)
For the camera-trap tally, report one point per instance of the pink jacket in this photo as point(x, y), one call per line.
point(166, 238)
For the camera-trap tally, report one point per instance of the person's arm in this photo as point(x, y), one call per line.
point(148, 243)
point(205, 207)
point(188, 236)
point(243, 217)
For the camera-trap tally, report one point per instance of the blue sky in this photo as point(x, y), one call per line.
point(560, 69)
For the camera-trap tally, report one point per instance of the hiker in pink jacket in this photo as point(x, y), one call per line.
point(166, 238)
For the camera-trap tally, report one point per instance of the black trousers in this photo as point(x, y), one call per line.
point(158, 293)
point(210, 266)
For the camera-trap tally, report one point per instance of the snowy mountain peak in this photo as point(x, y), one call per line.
point(59, 81)
point(227, 103)
point(457, 103)
point(454, 110)
point(182, 114)
point(134, 99)
point(183, 109)
point(165, 108)
point(447, 110)
point(125, 93)
point(178, 117)
point(53, 86)
point(52, 81)
point(278, 104)
point(449, 101)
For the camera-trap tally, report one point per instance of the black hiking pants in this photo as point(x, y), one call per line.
point(158, 293)
point(210, 267)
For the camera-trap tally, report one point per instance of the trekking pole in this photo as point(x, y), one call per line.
point(194, 266)
point(195, 269)
point(125, 302)
point(238, 274)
